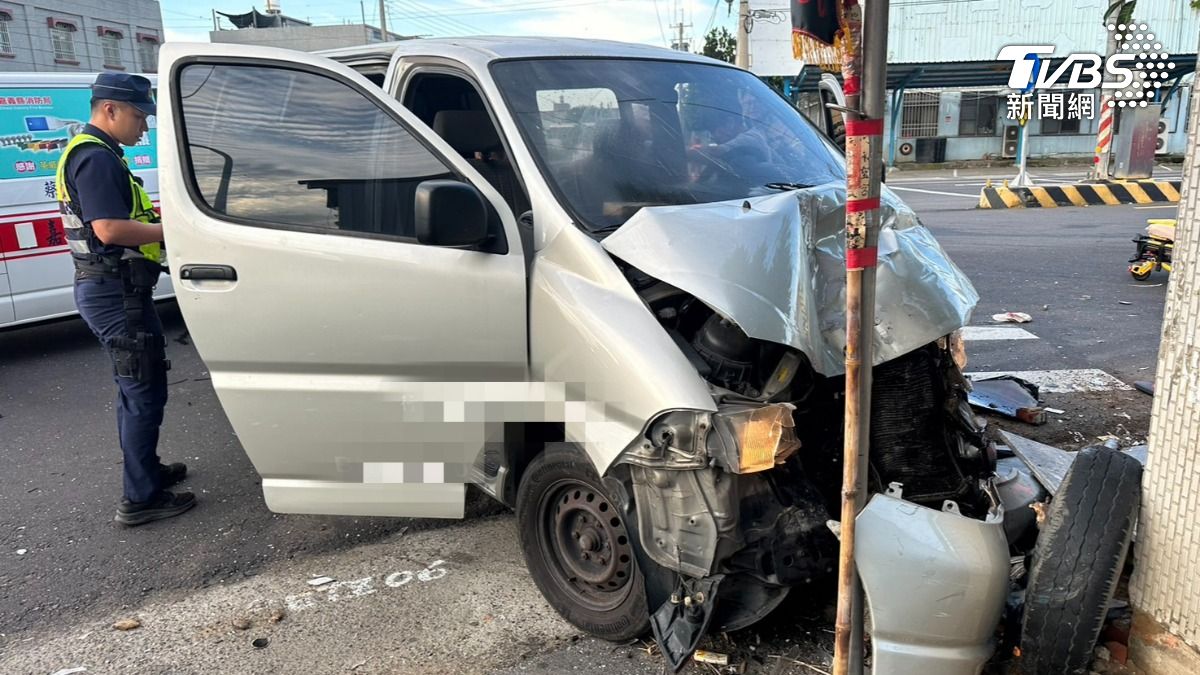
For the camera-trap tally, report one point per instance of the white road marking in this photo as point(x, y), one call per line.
point(934, 192)
point(1158, 206)
point(996, 333)
point(357, 588)
point(1063, 381)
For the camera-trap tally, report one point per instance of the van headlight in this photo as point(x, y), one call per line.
point(739, 438)
point(751, 439)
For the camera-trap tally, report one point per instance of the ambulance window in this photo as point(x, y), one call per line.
point(285, 148)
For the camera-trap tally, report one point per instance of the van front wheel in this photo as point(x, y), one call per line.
point(577, 548)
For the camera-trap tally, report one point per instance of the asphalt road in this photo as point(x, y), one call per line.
point(1066, 267)
point(62, 474)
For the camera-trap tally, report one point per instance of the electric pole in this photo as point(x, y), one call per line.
point(743, 34)
point(383, 20)
point(680, 45)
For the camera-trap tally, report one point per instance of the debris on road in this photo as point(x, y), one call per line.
point(715, 658)
point(278, 615)
point(241, 623)
point(1144, 387)
point(22, 551)
point(260, 643)
point(1008, 395)
point(1124, 302)
point(70, 671)
point(1012, 317)
point(127, 624)
point(320, 581)
point(1054, 411)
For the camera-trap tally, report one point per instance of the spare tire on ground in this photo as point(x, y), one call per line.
point(1078, 560)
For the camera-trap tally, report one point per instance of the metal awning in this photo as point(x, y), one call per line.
point(936, 75)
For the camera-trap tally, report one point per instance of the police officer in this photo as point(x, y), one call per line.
point(114, 235)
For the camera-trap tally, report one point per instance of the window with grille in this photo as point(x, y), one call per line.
point(110, 42)
point(919, 114)
point(63, 36)
point(977, 114)
point(148, 53)
point(5, 36)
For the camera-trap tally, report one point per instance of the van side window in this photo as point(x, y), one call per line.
point(282, 147)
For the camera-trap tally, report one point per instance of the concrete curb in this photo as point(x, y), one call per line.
point(1080, 194)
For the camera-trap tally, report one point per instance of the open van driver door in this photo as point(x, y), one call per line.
point(289, 182)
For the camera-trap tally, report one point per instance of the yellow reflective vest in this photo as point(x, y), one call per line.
point(79, 234)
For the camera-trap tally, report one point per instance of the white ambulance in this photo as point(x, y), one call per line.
point(39, 114)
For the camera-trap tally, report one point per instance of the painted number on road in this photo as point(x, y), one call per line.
point(357, 588)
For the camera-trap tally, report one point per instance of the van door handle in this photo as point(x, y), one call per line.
point(208, 272)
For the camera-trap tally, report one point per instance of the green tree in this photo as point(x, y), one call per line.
point(719, 43)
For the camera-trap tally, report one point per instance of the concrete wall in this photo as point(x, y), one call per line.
point(1166, 584)
point(33, 48)
point(303, 38)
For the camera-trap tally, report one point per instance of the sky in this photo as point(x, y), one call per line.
point(647, 21)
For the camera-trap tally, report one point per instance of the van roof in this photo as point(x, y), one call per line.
point(480, 51)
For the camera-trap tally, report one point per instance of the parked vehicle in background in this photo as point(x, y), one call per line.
point(39, 114)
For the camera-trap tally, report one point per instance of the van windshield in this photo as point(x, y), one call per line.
point(614, 135)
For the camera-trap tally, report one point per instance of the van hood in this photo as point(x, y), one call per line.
point(775, 265)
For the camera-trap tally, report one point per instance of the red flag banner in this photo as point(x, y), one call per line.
point(818, 32)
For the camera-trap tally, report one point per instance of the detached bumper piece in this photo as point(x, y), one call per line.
point(679, 623)
point(935, 583)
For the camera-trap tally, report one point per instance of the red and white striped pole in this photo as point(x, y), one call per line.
point(1104, 137)
point(1108, 107)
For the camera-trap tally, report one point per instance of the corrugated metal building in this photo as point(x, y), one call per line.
point(958, 89)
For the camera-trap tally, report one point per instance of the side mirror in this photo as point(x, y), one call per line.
point(449, 213)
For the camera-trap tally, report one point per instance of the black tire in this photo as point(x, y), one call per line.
point(1078, 560)
point(577, 548)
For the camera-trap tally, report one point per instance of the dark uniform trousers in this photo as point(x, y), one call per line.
point(139, 404)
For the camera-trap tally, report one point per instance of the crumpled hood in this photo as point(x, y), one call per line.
point(775, 265)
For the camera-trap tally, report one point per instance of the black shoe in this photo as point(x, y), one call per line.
point(170, 474)
point(165, 505)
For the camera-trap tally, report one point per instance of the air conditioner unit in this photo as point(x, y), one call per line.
point(1164, 135)
point(1012, 135)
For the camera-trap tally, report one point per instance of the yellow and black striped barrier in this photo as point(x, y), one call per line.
point(1079, 194)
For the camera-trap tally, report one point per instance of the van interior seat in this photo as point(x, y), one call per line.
point(473, 136)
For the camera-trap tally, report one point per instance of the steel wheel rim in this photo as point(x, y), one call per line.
point(585, 543)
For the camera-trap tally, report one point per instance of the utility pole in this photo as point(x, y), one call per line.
point(864, 71)
point(680, 45)
point(1166, 619)
point(383, 20)
point(743, 34)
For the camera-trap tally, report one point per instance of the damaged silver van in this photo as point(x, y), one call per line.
point(602, 282)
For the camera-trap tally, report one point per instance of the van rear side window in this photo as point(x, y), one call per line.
point(282, 147)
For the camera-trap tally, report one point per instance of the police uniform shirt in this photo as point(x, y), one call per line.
point(98, 183)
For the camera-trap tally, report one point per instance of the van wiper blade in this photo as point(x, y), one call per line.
point(787, 186)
